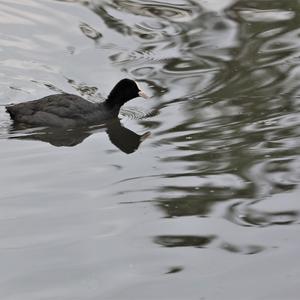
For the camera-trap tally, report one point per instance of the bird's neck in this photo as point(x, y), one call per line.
point(114, 102)
point(112, 105)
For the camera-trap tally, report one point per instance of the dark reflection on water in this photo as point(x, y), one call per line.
point(247, 216)
point(90, 32)
point(122, 137)
point(237, 75)
point(183, 241)
point(174, 270)
point(212, 200)
point(246, 250)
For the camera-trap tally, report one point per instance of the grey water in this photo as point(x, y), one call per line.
point(192, 194)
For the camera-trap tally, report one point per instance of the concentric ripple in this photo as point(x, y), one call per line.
point(135, 113)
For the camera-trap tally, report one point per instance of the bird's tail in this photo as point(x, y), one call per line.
point(10, 110)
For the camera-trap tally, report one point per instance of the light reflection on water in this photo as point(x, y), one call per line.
point(193, 194)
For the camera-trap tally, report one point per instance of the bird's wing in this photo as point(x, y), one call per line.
point(61, 105)
point(66, 106)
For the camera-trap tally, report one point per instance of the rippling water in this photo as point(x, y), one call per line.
point(193, 194)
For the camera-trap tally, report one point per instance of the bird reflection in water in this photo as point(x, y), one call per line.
point(123, 138)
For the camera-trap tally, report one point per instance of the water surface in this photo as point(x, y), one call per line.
point(191, 195)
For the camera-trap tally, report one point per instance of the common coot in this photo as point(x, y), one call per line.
point(67, 110)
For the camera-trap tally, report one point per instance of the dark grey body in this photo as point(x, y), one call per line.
point(62, 110)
